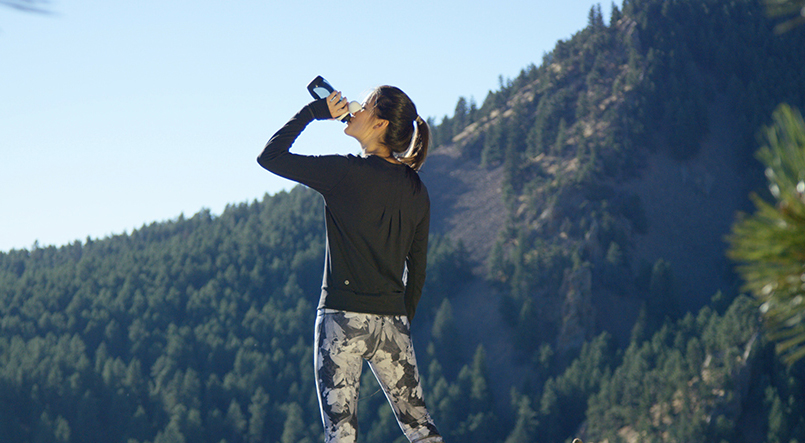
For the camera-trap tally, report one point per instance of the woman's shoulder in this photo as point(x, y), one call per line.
point(417, 184)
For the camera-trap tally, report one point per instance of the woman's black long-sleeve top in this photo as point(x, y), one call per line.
point(377, 217)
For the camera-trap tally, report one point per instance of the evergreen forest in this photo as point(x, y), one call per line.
point(620, 323)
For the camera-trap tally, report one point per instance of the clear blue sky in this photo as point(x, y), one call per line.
point(115, 114)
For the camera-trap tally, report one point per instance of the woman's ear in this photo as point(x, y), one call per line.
point(381, 124)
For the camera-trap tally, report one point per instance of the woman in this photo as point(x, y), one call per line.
point(377, 215)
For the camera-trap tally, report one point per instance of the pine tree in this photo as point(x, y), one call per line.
point(787, 8)
point(525, 428)
point(771, 243)
point(258, 411)
point(460, 115)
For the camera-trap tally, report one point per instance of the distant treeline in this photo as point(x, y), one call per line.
point(195, 329)
point(200, 329)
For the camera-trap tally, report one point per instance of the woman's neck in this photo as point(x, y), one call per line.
point(381, 151)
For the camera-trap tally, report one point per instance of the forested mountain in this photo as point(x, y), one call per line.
point(577, 278)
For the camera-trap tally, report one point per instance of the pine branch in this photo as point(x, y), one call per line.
point(786, 8)
point(770, 244)
point(27, 5)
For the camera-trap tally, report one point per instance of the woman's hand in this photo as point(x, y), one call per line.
point(337, 105)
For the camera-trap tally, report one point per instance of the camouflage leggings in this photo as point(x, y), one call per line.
point(343, 341)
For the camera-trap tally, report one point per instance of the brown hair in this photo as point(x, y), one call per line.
point(393, 105)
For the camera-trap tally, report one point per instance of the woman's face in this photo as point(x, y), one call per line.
point(364, 125)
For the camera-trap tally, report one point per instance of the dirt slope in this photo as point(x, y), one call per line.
point(691, 205)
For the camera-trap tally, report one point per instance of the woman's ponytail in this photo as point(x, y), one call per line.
point(407, 134)
point(416, 153)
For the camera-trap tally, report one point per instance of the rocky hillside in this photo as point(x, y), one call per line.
point(583, 153)
point(598, 188)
